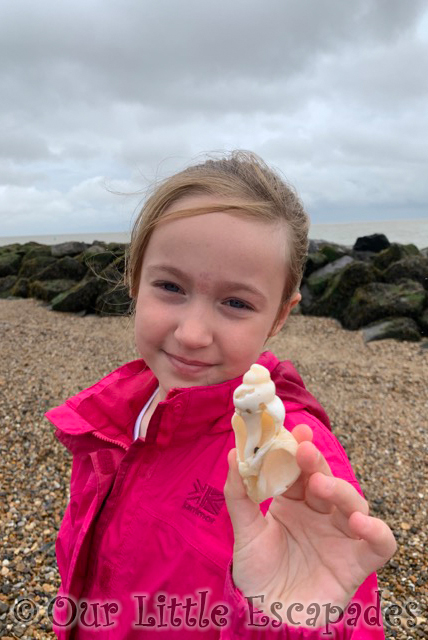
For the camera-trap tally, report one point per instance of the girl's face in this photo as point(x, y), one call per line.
point(209, 292)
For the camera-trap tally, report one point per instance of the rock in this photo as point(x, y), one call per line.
point(20, 288)
point(47, 290)
point(331, 268)
point(375, 243)
point(113, 302)
point(10, 263)
point(307, 299)
point(341, 288)
point(328, 248)
point(424, 252)
point(68, 249)
point(423, 322)
point(394, 253)
point(6, 285)
point(35, 250)
point(81, 297)
point(412, 268)
point(376, 301)
point(397, 328)
point(314, 261)
point(96, 258)
point(64, 268)
point(31, 267)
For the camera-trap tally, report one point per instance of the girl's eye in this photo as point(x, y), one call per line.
point(238, 304)
point(168, 286)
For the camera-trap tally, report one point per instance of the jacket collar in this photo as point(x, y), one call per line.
point(110, 407)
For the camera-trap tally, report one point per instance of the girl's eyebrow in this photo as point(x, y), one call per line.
point(229, 285)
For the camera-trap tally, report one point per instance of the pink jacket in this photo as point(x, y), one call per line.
point(146, 541)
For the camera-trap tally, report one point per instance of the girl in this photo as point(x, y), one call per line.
point(159, 535)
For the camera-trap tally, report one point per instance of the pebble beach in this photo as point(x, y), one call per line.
point(375, 394)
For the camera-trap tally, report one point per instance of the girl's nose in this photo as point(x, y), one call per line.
point(194, 328)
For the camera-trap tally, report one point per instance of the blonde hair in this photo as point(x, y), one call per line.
point(248, 186)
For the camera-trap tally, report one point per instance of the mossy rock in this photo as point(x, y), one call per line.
point(72, 248)
point(47, 290)
point(6, 285)
point(81, 297)
point(37, 251)
point(31, 267)
point(318, 281)
point(66, 268)
point(115, 270)
point(412, 268)
point(423, 323)
point(10, 248)
point(333, 252)
point(20, 288)
point(10, 263)
point(341, 288)
point(394, 253)
point(378, 300)
point(314, 261)
point(395, 328)
point(113, 302)
point(96, 258)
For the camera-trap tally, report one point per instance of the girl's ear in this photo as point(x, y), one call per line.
point(295, 299)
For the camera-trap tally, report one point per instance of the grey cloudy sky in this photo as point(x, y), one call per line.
point(106, 95)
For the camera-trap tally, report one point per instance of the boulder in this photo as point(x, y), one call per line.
point(341, 288)
point(20, 288)
point(48, 289)
point(31, 267)
point(68, 249)
point(6, 285)
point(374, 243)
point(331, 250)
point(10, 263)
point(314, 261)
point(318, 280)
point(65, 268)
point(423, 322)
point(412, 268)
point(307, 300)
point(394, 253)
point(81, 297)
point(96, 258)
point(397, 328)
point(35, 250)
point(378, 300)
point(113, 302)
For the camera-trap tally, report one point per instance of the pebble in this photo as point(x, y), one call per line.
point(375, 395)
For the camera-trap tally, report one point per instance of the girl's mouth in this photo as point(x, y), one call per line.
point(187, 366)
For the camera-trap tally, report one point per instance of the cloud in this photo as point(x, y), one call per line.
point(332, 93)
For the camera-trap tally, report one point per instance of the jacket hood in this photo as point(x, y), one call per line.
point(110, 407)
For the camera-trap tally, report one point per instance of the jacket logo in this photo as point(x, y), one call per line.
point(204, 500)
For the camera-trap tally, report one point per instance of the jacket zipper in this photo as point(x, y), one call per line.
point(119, 444)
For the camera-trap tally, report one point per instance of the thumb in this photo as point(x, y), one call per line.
point(247, 519)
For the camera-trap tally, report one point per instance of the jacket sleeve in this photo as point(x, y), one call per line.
point(362, 619)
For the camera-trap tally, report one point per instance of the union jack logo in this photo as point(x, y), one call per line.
point(206, 497)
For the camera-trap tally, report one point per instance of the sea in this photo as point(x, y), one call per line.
point(402, 231)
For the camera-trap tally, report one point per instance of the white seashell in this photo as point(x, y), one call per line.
point(266, 450)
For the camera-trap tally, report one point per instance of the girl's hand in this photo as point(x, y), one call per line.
point(316, 544)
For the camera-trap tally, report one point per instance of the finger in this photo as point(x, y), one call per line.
point(310, 460)
point(302, 432)
point(378, 542)
point(247, 519)
point(327, 492)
